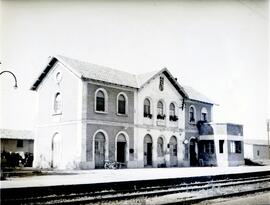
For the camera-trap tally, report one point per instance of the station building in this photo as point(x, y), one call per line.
point(87, 114)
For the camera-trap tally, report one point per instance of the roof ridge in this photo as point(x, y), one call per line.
point(86, 62)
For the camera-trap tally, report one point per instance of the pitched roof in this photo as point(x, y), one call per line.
point(16, 134)
point(85, 70)
point(196, 95)
point(100, 73)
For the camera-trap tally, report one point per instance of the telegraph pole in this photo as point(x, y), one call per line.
point(268, 130)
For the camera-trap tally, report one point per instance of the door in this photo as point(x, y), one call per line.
point(147, 150)
point(193, 153)
point(149, 153)
point(121, 151)
point(56, 151)
point(173, 152)
point(99, 150)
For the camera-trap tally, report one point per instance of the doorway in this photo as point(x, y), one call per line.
point(99, 150)
point(148, 151)
point(121, 152)
point(193, 149)
point(173, 152)
point(56, 151)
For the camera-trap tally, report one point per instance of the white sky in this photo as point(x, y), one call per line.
point(218, 47)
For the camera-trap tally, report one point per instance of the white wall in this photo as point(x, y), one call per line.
point(149, 126)
point(67, 124)
point(168, 95)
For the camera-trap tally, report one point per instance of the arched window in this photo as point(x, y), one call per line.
point(147, 108)
point(160, 108)
point(100, 101)
point(172, 109)
point(57, 103)
point(160, 147)
point(121, 104)
point(191, 114)
point(173, 116)
point(204, 114)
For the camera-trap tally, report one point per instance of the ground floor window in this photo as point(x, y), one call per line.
point(208, 146)
point(19, 143)
point(235, 146)
point(221, 144)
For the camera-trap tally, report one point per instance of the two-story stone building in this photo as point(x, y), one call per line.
point(88, 114)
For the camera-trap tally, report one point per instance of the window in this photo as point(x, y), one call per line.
point(204, 114)
point(147, 108)
point(191, 114)
point(258, 152)
point(161, 83)
point(121, 104)
point(209, 147)
point(58, 77)
point(160, 150)
point(221, 143)
point(160, 111)
point(235, 146)
point(19, 143)
point(173, 116)
point(238, 146)
point(57, 103)
point(172, 109)
point(160, 108)
point(100, 101)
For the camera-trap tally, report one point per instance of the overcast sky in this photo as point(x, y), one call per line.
point(217, 47)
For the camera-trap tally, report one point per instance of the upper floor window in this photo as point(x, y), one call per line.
point(161, 83)
point(172, 109)
point(100, 101)
point(121, 104)
point(160, 110)
point(204, 114)
point(192, 114)
point(173, 116)
point(147, 108)
point(57, 103)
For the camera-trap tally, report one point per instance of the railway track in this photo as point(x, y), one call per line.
point(107, 196)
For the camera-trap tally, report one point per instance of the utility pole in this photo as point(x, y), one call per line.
point(268, 130)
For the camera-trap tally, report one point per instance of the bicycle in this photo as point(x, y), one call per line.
point(112, 164)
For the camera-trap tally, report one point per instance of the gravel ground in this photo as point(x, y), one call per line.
point(251, 199)
point(264, 198)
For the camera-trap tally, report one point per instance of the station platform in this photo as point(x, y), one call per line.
point(83, 177)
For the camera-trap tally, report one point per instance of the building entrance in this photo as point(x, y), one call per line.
point(148, 151)
point(193, 149)
point(99, 150)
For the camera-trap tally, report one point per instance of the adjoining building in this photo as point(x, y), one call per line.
point(221, 144)
point(20, 142)
point(88, 114)
point(257, 150)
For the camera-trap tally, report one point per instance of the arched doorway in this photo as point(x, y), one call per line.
point(148, 144)
point(121, 146)
point(193, 149)
point(173, 151)
point(56, 150)
point(99, 150)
